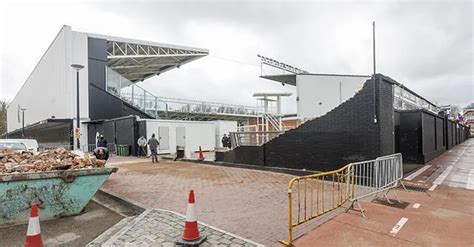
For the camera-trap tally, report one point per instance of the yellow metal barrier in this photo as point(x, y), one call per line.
point(312, 192)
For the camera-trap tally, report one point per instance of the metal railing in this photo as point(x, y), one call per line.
point(253, 138)
point(47, 148)
point(112, 147)
point(375, 176)
point(314, 195)
point(155, 105)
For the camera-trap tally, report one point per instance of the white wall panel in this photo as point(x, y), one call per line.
point(197, 134)
point(50, 90)
point(330, 90)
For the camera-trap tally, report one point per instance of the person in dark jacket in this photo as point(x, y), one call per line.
point(153, 144)
point(102, 142)
point(101, 153)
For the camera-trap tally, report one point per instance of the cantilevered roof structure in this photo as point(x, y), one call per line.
point(138, 60)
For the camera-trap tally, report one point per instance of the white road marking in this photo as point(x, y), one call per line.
point(415, 174)
point(433, 187)
point(439, 180)
point(470, 180)
point(416, 205)
point(398, 226)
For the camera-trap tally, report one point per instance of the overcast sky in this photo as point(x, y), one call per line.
point(428, 46)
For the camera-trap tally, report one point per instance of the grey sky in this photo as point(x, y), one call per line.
point(425, 45)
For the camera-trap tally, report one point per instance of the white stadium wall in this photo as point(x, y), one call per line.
point(330, 90)
point(50, 90)
point(196, 134)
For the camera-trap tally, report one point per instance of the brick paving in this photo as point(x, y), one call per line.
point(249, 203)
point(164, 228)
point(443, 215)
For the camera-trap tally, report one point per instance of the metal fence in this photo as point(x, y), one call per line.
point(253, 138)
point(47, 148)
point(89, 148)
point(375, 176)
point(314, 195)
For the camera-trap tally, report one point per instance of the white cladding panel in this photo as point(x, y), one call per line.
point(329, 90)
point(224, 127)
point(50, 89)
point(196, 134)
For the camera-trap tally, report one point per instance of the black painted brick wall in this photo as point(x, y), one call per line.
point(345, 134)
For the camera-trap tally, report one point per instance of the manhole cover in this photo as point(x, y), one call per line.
point(394, 204)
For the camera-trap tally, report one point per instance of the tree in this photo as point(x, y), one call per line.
point(470, 106)
point(3, 116)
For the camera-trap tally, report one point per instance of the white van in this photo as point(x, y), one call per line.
point(30, 144)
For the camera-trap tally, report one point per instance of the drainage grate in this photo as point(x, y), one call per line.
point(414, 188)
point(394, 204)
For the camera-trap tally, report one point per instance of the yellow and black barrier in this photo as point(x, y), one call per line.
point(314, 195)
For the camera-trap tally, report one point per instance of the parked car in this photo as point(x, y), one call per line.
point(18, 144)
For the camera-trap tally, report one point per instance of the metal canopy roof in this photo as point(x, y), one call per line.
point(138, 60)
point(284, 78)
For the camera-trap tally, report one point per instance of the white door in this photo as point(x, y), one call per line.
point(164, 138)
point(180, 136)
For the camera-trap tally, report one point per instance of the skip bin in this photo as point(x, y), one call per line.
point(57, 193)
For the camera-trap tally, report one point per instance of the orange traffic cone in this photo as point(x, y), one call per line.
point(201, 155)
point(33, 235)
point(191, 235)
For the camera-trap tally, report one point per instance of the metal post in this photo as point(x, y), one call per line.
point(23, 123)
point(133, 95)
point(156, 107)
point(373, 76)
point(340, 92)
point(78, 113)
point(77, 67)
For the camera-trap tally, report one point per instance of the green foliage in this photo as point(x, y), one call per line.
point(470, 106)
point(3, 116)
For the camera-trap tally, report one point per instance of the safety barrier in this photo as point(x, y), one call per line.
point(375, 176)
point(314, 195)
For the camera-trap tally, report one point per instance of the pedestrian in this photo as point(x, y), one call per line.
point(224, 141)
point(227, 141)
point(102, 142)
point(141, 146)
point(153, 144)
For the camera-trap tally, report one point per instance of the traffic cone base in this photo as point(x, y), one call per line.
point(196, 242)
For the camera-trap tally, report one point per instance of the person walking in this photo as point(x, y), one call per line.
point(153, 144)
point(141, 146)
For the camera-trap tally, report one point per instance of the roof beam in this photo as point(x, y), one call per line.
point(150, 56)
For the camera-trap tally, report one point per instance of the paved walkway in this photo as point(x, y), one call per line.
point(248, 203)
point(442, 216)
point(164, 228)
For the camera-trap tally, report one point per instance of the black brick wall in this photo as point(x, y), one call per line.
point(345, 134)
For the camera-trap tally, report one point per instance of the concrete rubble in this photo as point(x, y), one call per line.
point(51, 160)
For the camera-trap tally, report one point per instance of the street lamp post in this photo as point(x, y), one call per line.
point(77, 67)
point(23, 122)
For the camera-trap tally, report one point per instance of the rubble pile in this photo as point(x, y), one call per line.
point(51, 160)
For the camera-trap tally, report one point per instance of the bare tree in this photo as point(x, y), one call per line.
point(3, 116)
